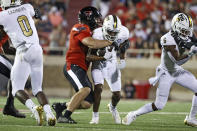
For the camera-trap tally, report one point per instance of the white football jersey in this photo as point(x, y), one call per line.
point(122, 36)
point(166, 62)
point(19, 25)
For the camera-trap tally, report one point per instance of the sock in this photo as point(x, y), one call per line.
point(193, 111)
point(113, 107)
point(30, 104)
point(47, 108)
point(67, 114)
point(95, 114)
point(144, 109)
point(10, 98)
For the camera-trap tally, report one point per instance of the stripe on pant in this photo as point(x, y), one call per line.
point(75, 79)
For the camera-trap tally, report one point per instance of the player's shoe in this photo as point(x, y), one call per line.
point(12, 111)
point(51, 119)
point(115, 114)
point(38, 114)
point(190, 121)
point(63, 119)
point(59, 108)
point(95, 120)
point(129, 118)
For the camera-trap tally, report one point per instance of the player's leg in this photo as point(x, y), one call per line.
point(98, 80)
point(5, 69)
point(162, 94)
point(36, 63)
point(114, 81)
point(82, 85)
point(19, 74)
point(188, 80)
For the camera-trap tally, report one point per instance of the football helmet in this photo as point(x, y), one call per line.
point(182, 24)
point(9, 3)
point(111, 27)
point(91, 16)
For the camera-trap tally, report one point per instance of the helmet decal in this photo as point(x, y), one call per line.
point(115, 21)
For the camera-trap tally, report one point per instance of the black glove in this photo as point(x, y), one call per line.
point(115, 45)
point(124, 46)
point(37, 14)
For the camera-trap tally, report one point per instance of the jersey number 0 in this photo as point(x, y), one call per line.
point(25, 26)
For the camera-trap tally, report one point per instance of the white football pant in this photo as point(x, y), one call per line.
point(27, 63)
point(110, 73)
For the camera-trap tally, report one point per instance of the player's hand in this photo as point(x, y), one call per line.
point(193, 50)
point(108, 54)
point(121, 64)
point(37, 14)
point(115, 44)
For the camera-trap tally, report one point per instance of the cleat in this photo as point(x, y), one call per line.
point(37, 112)
point(12, 111)
point(51, 119)
point(59, 108)
point(115, 114)
point(190, 121)
point(95, 120)
point(63, 119)
point(129, 118)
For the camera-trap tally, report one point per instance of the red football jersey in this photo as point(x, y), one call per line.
point(77, 51)
point(5, 38)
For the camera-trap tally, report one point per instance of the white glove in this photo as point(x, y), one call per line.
point(121, 64)
point(108, 54)
point(193, 50)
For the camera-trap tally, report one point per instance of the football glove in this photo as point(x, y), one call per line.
point(193, 50)
point(121, 64)
point(124, 46)
point(37, 14)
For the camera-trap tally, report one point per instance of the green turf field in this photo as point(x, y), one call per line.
point(169, 119)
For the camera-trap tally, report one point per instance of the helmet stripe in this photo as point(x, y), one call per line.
point(190, 21)
point(115, 21)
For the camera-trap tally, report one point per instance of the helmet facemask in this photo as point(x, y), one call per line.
point(110, 35)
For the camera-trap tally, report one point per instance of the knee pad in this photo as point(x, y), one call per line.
point(159, 105)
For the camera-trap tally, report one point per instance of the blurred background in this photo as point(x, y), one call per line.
point(147, 21)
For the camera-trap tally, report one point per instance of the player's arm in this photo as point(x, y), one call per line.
point(95, 44)
point(175, 56)
point(94, 58)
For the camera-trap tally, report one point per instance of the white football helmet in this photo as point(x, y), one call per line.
point(111, 27)
point(9, 3)
point(182, 24)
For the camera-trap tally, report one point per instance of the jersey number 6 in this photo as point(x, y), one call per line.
point(25, 26)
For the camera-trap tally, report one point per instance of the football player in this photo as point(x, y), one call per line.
point(75, 69)
point(5, 69)
point(18, 23)
point(170, 70)
point(109, 69)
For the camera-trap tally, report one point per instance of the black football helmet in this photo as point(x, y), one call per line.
point(91, 16)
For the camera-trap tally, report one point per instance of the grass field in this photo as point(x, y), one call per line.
point(169, 119)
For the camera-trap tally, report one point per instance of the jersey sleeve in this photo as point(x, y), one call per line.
point(30, 9)
point(81, 32)
point(167, 40)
